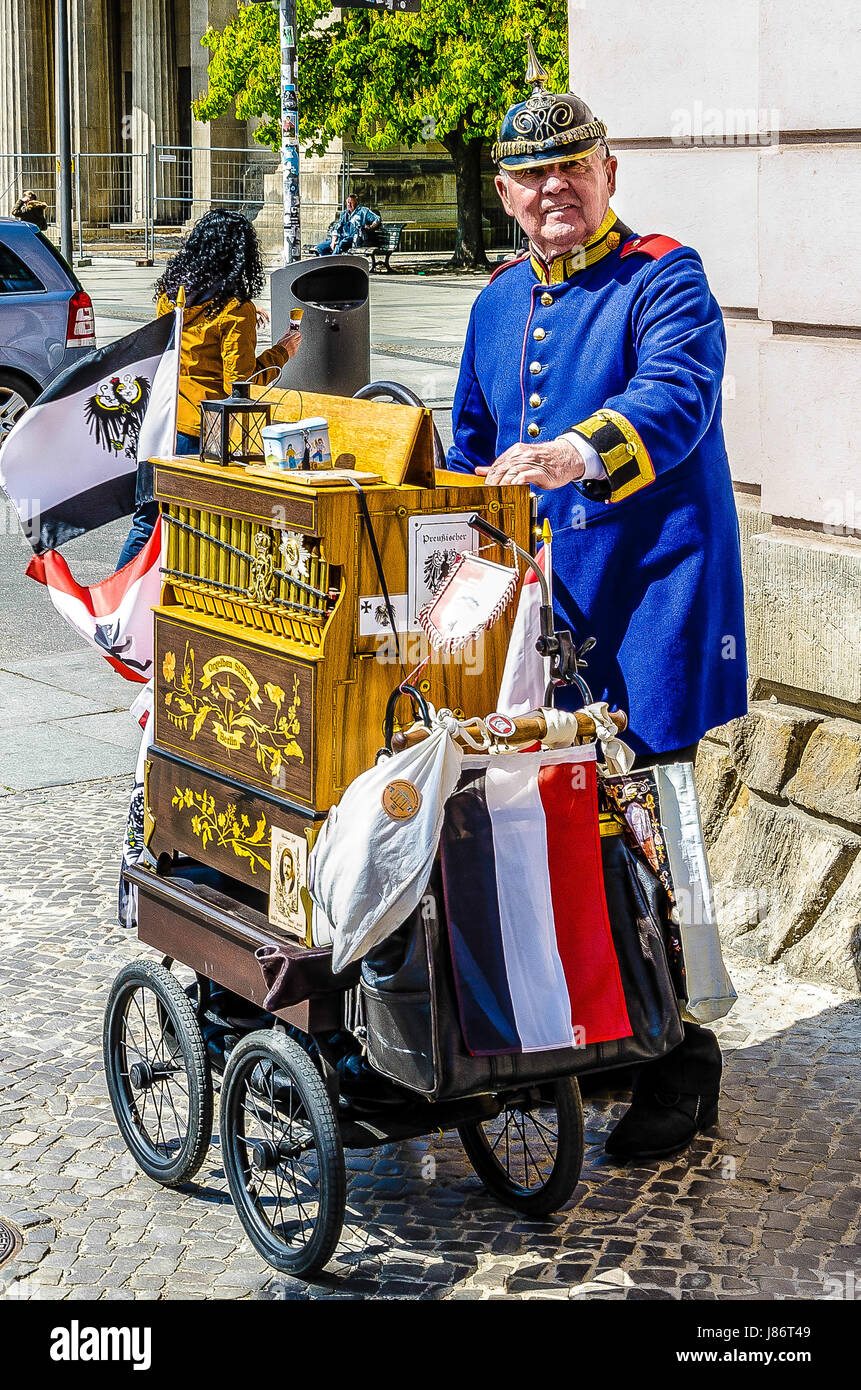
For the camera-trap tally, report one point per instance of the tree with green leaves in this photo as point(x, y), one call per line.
point(449, 73)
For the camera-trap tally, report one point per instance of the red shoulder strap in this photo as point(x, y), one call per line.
point(655, 246)
point(506, 265)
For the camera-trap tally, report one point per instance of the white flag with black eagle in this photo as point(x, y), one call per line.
point(70, 463)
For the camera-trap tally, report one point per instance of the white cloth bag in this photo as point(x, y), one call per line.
point(710, 990)
point(372, 860)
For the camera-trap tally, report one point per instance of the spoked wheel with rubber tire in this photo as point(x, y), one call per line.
point(531, 1154)
point(157, 1071)
point(282, 1152)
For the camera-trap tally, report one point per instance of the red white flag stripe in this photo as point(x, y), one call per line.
point(536, 977)
point(114, 616)
point(523, 683)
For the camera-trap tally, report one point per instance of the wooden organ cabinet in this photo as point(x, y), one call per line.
point(274, 654)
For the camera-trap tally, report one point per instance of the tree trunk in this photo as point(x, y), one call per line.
point(466, 157)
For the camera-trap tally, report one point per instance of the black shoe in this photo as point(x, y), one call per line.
point(661, 1123)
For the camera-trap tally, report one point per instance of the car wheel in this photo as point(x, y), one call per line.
point(16, 395)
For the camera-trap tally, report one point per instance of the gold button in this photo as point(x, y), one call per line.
point(535, 400)
point(533, 431)
point(539, 334)
point(535, 368)
point(632, 448)
point(547, 300)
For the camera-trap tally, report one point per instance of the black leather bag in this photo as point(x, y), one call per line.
point(413, 1026)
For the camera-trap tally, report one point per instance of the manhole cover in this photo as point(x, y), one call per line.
point(10, 1242)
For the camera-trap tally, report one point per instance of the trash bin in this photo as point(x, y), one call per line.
point(335, 356)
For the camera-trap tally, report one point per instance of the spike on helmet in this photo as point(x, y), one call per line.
point(546, 128)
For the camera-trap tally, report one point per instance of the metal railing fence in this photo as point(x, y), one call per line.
point(140, 205)
point(20, 173)
point(112, 208)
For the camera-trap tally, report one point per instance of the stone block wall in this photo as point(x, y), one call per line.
point(780, 789)
point(736, 129)
point(781, 800)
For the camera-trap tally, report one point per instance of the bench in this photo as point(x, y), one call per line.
point(388, 239)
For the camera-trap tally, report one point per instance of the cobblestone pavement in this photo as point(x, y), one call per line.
point(764, 1208)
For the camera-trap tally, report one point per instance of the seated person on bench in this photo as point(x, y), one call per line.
point(350, 229)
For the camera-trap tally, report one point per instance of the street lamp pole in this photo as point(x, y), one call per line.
point(287, 33)
point(290, 130)
point(64, 125)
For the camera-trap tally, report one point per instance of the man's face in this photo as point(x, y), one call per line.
point(559, 206)
point(351, 204)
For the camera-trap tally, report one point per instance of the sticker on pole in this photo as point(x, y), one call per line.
point(395, 6)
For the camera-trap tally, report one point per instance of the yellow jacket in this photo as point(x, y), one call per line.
point(214, 353)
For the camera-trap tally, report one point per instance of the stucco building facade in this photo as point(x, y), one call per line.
point(737, 131)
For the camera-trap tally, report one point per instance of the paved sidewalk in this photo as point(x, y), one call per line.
point(64, 719)
point(418, 323)
point(764, 1208)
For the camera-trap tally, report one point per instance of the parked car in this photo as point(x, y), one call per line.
point(46, 317)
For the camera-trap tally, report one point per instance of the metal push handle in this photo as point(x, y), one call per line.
point(391, 707)
point(403, 396)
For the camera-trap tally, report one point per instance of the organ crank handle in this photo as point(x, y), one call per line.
point(528, 728)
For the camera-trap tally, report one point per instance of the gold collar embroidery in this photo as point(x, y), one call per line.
point(600, 244)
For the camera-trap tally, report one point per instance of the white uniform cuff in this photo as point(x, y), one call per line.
point(592, 459)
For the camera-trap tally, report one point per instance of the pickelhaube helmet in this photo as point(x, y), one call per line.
point(545, 128)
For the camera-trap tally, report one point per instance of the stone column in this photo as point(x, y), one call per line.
point(212, 163)
point(154, 98)
point(101, 177)
point(26, 103)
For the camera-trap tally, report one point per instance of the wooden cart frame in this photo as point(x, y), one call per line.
point(284, 1119)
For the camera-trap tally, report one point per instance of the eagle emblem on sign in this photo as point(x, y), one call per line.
point(115, 413)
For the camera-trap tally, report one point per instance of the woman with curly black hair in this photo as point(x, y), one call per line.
point(219, 269)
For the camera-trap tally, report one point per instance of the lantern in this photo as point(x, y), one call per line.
point(230, 430)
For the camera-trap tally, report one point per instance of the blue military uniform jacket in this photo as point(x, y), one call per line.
point(624, 343)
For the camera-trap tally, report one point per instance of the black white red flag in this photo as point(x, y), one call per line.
point(115, 616)
point(70, 463)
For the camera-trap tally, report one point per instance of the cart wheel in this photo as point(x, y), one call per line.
point(158, 1074)
point(282, 1153)
point(531, 1154)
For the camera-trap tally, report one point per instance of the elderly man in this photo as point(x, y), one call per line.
point(351, 229)
point(592, 372)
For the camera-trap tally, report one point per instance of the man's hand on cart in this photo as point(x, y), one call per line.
point(547, 466)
